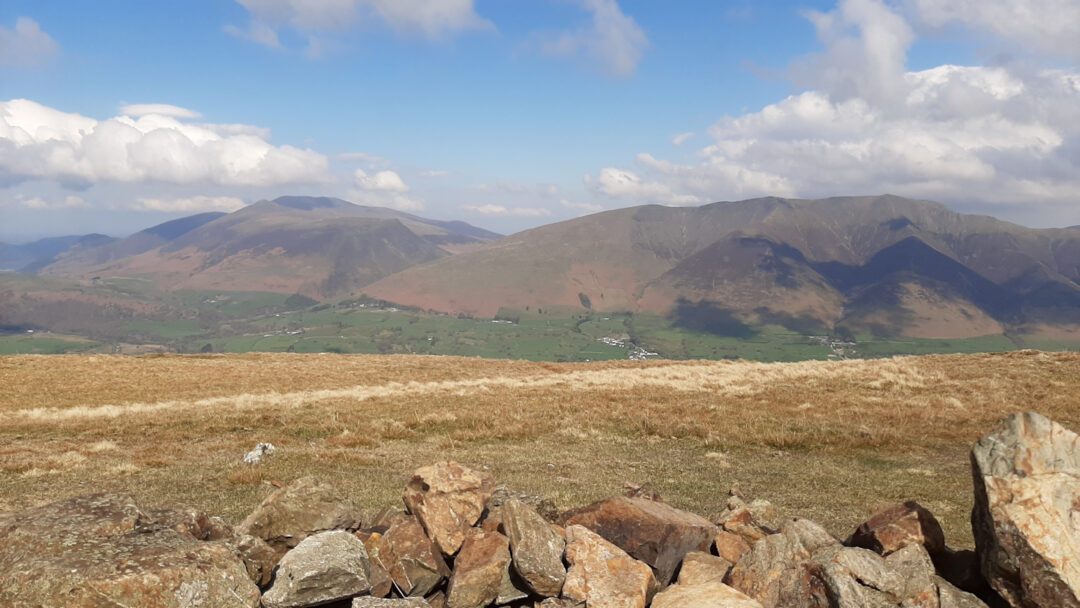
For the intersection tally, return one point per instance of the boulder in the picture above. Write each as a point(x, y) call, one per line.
point(750, 521)
point(602, 575)
point(951, 597)
point(698, 567)
point(850, 577)
point(730, 546)
point(380, 576)
point(448, 499)
point(777, 569)
point(897, 527)
point(656, 533)
point(914, 566)
point(412, 560)
point(479, 569)
point(559, 602)
point(103, 550)
point(712, 594)
point(536, 546)
point(259, 558)
point(378, 602)
point(436, 600)
point(325, 567)
point(297, 511)
point(1026, 519)
point(544, 506)
point(193, 522)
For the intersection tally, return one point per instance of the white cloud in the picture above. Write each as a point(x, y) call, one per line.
point(162, 109)
point(26, 45)
point(627, 185)
point(435, 173)
point(681, 138)
point(433, 19)
point(502, 210)
point(1049, 26)
point(68, 202)
point(39, 142)
point(193, 204)
point(956, 134)
point(383, 189)
point(615, 41)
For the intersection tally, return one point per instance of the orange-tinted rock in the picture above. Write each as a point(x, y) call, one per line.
point(380, 576)
point(259, 558)
point(776, 571)
point(297, 511)
point(448, 499)
point(897, 527)
point(479, 569)
point(1026, 519)
point(537, 548)
point(103, 550)
point(412, 560)
point(653, 532)
point(713, 594)
point(698, 567)
point(731, 546)
point(602, 575)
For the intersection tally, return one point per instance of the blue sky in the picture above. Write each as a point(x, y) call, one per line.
point(514, 113)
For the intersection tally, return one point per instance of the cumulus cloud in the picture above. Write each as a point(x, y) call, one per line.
point(161, 109)
point(384, 189)
point(1049, 26)
point(39, 142)
point(26, 45)
point(433, 19)
point(502, 210)
point(681, 138)
point(68, 202)
point(867, 125)
point(615, 41)
point(190, 205)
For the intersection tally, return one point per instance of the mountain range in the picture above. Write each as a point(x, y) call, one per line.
point(884, 264)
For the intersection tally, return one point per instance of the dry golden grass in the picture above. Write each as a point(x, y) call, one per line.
point(827, 440)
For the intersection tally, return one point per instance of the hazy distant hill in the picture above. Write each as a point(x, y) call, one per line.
point(884, 263)
point(313, 245)
point(30, 257)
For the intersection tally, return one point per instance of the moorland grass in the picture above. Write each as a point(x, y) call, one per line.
point(829, 440)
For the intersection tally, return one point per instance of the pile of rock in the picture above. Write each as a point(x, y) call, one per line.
point(462, 542)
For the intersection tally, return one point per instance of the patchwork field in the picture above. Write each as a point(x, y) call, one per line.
point(829, 440)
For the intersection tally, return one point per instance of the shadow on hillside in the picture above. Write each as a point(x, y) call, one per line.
point(709, 318)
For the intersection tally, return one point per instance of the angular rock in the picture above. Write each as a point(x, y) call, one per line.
point(730, 546)
point(448, 499)
point(1026, 519)
point(712, 594)
point(602, 575)
point(699, 567)
point(914, 566)
point(898, 526)
point(378, 602)
point(653, 532)
point(297, 511)
point(479, 569)
point(558, 602)
point(380, 576)
point(259, 558)
point(951, 597)
point(323, 568)
point(193, 522)
point(412, 560)
point(544, 506)
point(777, 570)
point(436, 600)
point(102, 550)
point(855, 578)
point(751, 522)
point(536, 546)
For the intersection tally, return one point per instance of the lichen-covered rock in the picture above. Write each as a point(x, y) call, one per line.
point(777, 569)
point(1026, 519)
point(412, 560)
point(699, 567)
point(193, 522)
point(378, 602)
point(656, 533)
point(898, 526)
point(712, 594)
point(479, 569)
point(325, 567)
point(297, 511)
point(602, 575)
point(448, 499)
point(102, 550)
point(536, 546)
point(259, 558)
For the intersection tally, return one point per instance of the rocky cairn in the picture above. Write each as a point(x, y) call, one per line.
point(463, 542)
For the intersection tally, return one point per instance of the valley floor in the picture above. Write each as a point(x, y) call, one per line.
point(829, 440)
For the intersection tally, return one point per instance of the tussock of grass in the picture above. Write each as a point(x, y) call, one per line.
point(828, 440)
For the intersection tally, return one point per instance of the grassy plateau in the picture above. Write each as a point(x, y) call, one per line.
point(828, 440)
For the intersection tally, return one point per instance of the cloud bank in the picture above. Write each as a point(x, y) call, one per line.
point(26, 45)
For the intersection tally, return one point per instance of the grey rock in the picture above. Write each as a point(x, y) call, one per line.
point(326, 567)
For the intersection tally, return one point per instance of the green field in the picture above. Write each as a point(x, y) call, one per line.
point(23, 344)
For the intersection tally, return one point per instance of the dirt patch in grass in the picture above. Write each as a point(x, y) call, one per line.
point(832, 441)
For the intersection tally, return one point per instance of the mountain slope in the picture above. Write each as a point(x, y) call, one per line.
point(841, 261)
point(321, 247)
